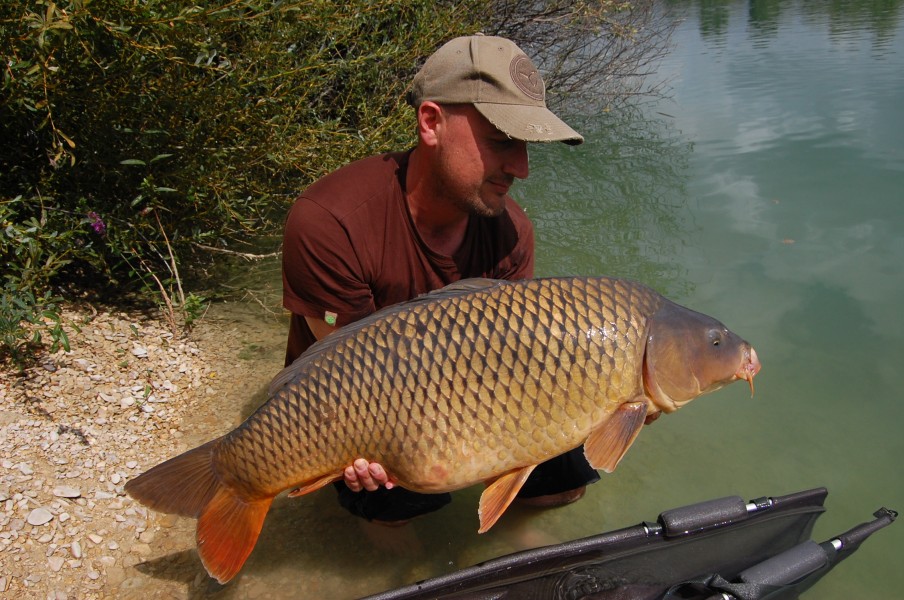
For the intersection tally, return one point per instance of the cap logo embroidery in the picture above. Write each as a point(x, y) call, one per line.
point(526, 78)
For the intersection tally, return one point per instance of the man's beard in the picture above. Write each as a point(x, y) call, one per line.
point(466, 198)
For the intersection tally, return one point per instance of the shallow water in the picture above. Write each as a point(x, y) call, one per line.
point(766, 192)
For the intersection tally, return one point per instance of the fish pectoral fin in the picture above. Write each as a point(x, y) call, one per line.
point(499, 494)
point(609, 442)
point(313, 486)
point(227, 532)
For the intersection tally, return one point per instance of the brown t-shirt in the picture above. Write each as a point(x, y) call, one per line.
point(351, 248)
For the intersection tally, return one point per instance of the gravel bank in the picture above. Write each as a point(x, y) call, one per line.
point(128, 395)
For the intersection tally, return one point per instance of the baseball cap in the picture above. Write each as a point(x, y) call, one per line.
point(502, 83)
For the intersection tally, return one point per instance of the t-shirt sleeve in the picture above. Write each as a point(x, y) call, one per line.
point(322, 276)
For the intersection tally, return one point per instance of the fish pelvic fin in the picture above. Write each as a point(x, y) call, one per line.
point(315, 485)
point(499, 494)
point(228, 530)
point(188, 485)
point(182, 485)
point(609, 442)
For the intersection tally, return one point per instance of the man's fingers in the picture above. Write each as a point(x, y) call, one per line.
point(363, 475)
point(351, 479)
point(379, 476)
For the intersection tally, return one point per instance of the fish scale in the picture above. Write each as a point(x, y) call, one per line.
point(533, 341)
point(477, 382)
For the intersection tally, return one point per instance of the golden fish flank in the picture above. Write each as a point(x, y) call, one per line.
point(475, 383)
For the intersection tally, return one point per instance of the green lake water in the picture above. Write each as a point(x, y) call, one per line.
point(767, 191)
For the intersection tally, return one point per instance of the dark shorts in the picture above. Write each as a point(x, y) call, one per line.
point(560, 474)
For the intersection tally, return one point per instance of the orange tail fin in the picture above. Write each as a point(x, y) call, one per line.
point(228, 523)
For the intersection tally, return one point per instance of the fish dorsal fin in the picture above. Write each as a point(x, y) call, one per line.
point(609, 442)
point(499, 494)
point(327, 344)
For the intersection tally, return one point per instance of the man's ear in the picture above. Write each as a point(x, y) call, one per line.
point(429, 119)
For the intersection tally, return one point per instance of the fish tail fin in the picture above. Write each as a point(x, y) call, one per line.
point(182, 485)
point(227, 532)
point(228, 522)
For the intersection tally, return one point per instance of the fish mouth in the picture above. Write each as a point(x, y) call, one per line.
point(750, 366)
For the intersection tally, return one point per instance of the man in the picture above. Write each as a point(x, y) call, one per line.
point(387, 228)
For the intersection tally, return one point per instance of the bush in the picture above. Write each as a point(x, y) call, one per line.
point(137, 134)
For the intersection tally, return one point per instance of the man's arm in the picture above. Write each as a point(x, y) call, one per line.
point(362, 475)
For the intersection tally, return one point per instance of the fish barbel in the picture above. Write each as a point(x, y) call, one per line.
point(477, 382)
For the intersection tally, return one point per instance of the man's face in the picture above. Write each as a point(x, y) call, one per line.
point(477, 163)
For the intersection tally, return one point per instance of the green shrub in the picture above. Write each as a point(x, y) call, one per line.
point(137, 134)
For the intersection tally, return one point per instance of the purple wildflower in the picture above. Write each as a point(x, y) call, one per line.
point(97, 223)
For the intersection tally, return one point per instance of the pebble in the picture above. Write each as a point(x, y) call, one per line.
point(141, 549)
point(146, 536)
point(39, 516)
point(64, 491)
point(75, 430)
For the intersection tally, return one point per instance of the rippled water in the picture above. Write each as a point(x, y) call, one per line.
point(766, 192)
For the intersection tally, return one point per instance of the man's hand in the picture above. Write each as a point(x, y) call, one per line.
point(363, 475)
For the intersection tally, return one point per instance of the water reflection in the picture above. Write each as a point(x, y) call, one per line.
point(843, 19)
point(764, 17)
point(795, 180)
point(615, 205)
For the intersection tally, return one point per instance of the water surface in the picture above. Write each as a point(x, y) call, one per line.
point(767, 192)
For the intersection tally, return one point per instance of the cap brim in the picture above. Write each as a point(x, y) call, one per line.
point(528, 123)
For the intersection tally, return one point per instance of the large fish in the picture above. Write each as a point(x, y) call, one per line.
point(477, 382)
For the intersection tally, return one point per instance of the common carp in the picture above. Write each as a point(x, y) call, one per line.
point(477, 382)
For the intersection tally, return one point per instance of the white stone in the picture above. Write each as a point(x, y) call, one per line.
point(39, 516)
point(65, 491)
point(56, 563)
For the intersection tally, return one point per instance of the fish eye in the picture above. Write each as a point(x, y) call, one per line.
point(715, 337)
